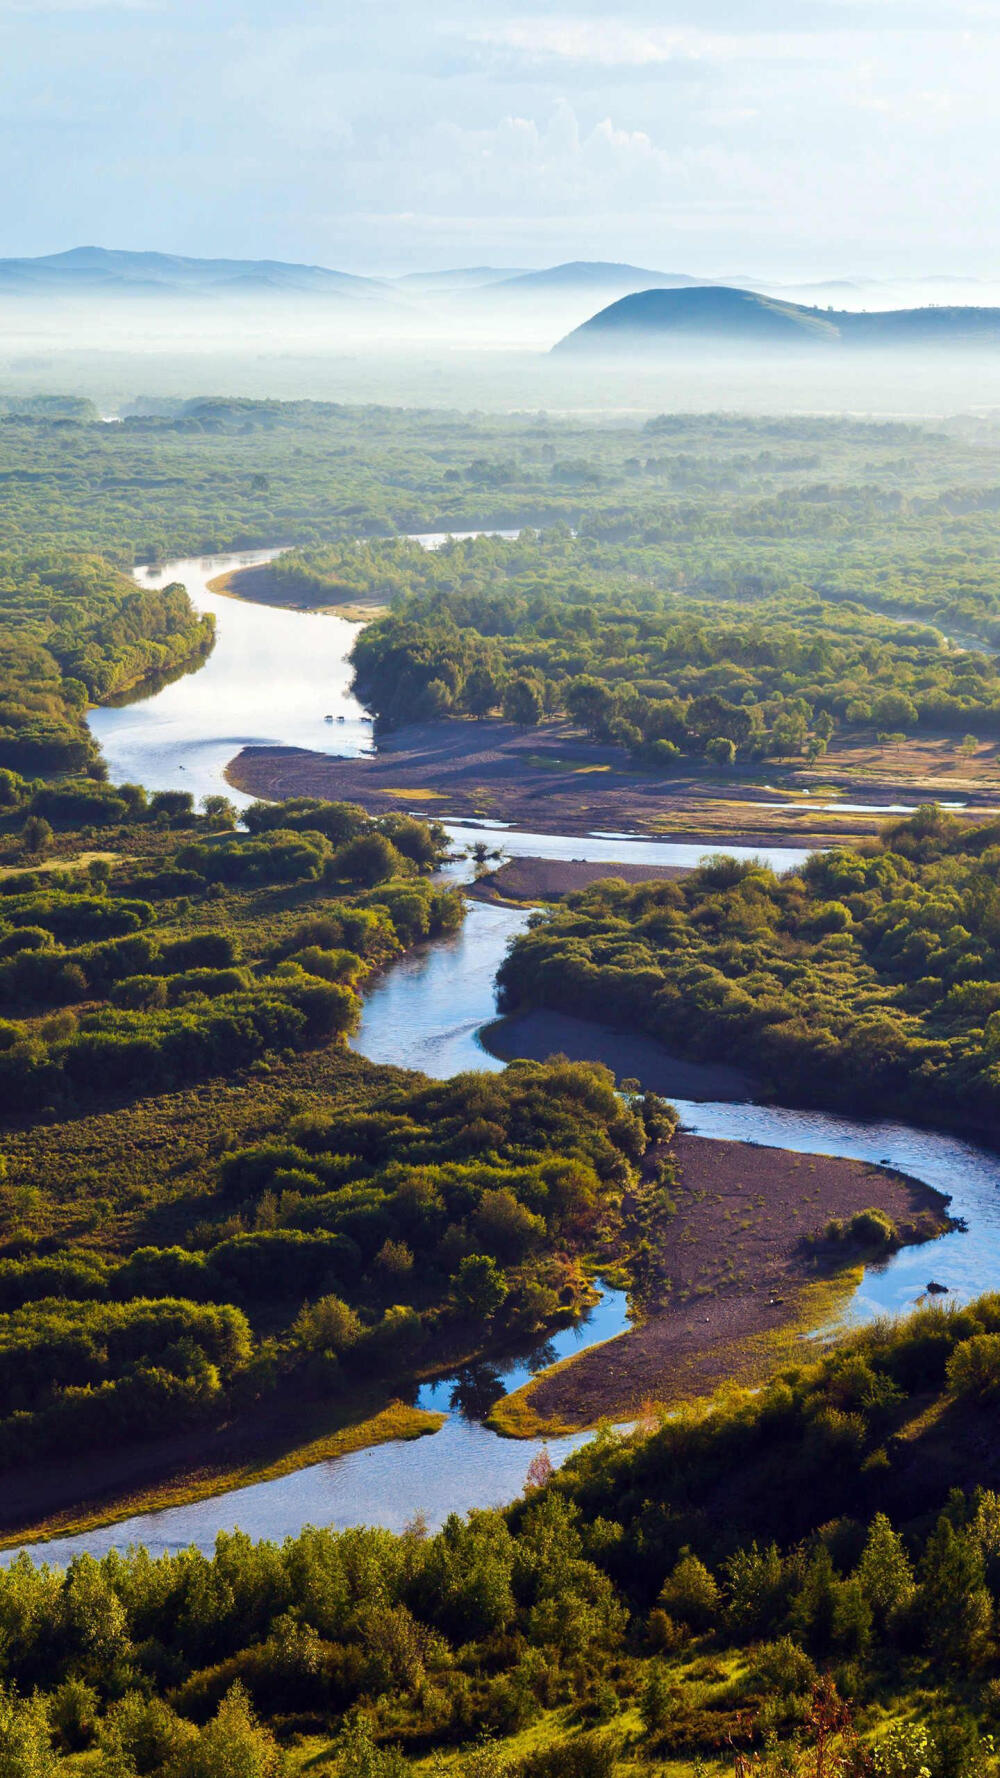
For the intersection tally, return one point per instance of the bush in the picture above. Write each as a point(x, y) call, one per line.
point(690, 1593)
point(368, 860)
point(783, 1667)
point(974, 1369)
point(586, 1756)
point(327, 1325)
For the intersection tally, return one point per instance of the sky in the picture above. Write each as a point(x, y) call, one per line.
point(771, 138)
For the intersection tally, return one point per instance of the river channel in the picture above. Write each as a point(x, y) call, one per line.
point(273, 677)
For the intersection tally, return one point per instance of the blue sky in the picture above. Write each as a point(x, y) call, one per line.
point(778, 138)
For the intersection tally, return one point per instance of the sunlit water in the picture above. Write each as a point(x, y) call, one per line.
point(272, 678)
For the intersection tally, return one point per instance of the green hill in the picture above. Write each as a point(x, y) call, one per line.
point(721, 316)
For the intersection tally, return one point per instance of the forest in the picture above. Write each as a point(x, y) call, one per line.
point(790, 1578)
point(685, 584)
point(76, 631)
point(520, 629)
point(869, 979)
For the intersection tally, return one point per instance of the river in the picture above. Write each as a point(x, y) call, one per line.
point(272, 677)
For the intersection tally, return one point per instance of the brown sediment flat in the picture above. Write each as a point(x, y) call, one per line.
point(548, 879)
point(733, 1267)
point(553, 779)
point(537, 1033)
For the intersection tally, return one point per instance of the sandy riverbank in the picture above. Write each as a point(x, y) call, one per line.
point(736, 1281)
point(532, 880)
point(550, 780)
point(553, 779)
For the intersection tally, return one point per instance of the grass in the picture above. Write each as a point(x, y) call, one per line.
point(416, 796)
point(78, 861)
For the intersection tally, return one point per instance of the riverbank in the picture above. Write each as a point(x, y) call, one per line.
point(43, 1501)
point(738, 1275)
point(261, 586)
point(553, 779)
point(531, 880)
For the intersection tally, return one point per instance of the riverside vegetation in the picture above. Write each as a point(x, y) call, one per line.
point(870, 979)
point(719, 1585)
point(210, 1202)
point(358, 1226)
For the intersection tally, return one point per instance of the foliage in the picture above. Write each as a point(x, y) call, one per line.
point(74, 630)
point(870, 978)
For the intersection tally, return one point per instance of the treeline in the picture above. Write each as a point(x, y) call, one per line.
point(532, 628)
point(75, 631)
point(165, 969)
point(869, 979)
point(787, 1574)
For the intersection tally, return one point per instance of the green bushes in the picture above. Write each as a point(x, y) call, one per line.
point(974, 1369)
point(864, 980)
point(76, 629)
point(872, 1231)
point(178, 1004)
point(75, 1372)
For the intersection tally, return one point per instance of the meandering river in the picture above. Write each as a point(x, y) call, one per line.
point(274, 676)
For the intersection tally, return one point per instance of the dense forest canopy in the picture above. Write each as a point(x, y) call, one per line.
point(686, 557)
point(533, 627)
point(73, 631)
point(869, 979)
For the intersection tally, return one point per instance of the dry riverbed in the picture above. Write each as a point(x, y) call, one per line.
point(738, 1275)
point(553, 779)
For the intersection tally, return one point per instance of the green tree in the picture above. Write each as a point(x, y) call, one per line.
point(523, 701)
point(690, 1593)
point(721, 751)
point(885, 1571)
point(952, 1604)
point(25, 1741)
point(219, 812)
point(36, 836)
point(479, 1286)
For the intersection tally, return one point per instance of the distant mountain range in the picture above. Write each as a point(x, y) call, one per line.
point(594, 305)
point(100, 270)
point(651, 320)
point(597, 276)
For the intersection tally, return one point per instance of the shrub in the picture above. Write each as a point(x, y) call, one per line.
point(479, 1286)
point(327, 1325)
point(974, 1368)
point(368, 860)
point(585, 1756)
point(690, 1593)
point(783, 1667)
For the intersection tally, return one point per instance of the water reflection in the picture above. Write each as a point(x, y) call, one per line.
point(451, 1471)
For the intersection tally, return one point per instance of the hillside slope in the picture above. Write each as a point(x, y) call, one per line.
point(718, 314)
